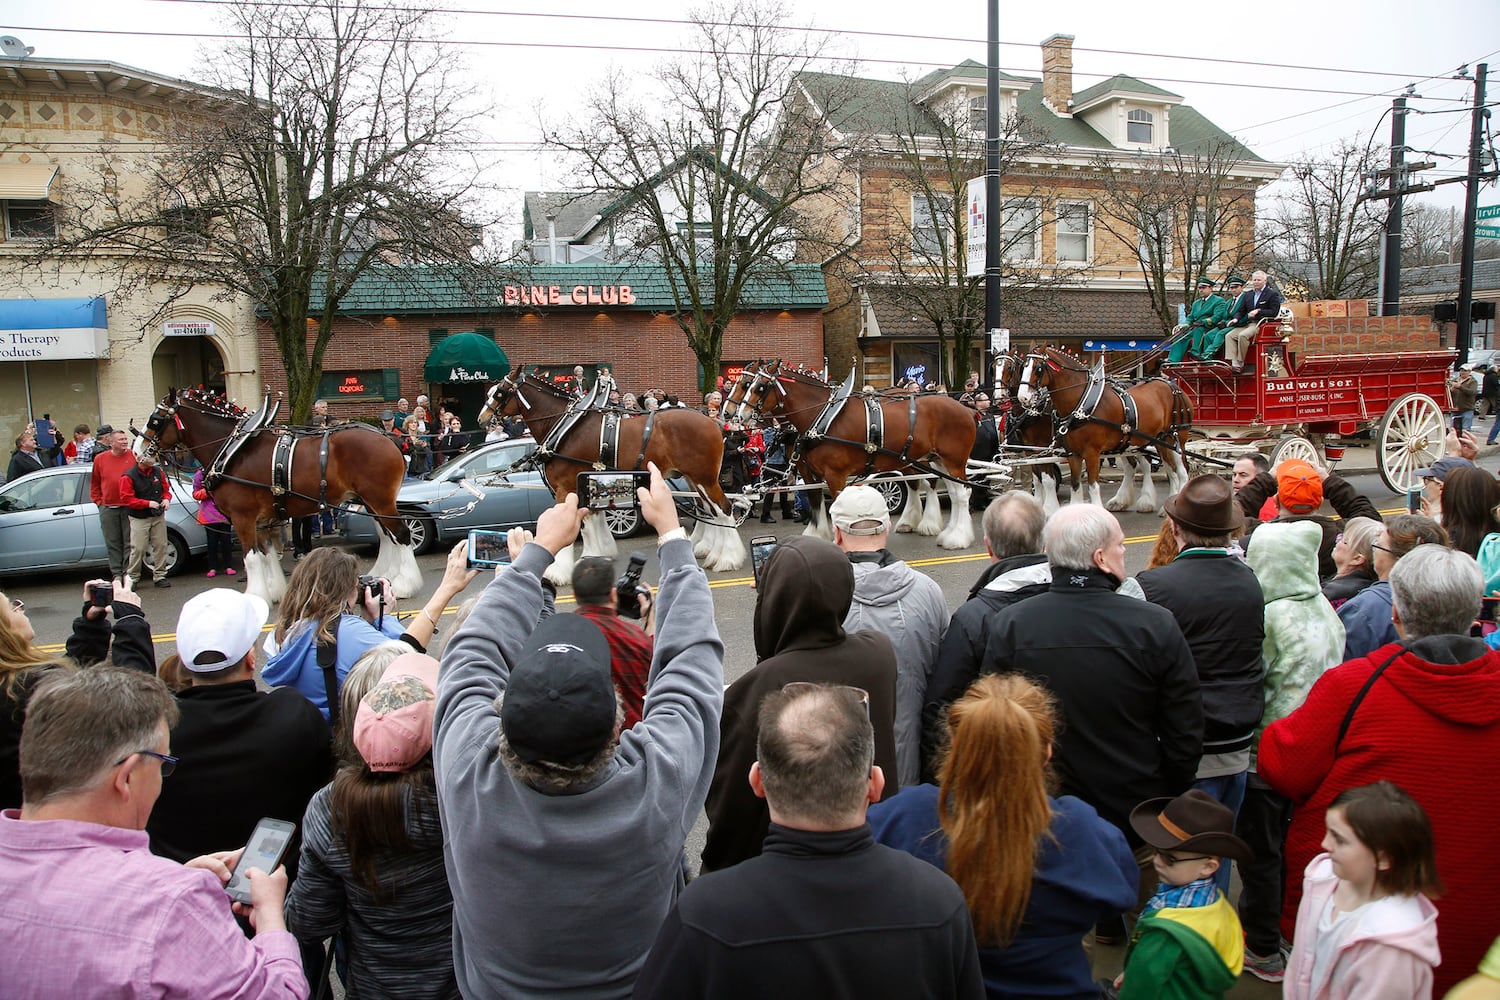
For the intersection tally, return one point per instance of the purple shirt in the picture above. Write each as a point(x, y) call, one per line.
point(89, 911)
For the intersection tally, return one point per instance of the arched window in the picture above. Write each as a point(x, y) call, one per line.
point(1139, 126)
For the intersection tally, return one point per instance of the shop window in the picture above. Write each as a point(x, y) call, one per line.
point(1140, 126)
point(1075, 232)
point(29, 220)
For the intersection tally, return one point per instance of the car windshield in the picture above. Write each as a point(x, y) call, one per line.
point(487, 459)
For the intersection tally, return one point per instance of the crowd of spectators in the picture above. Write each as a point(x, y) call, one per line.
point(899, 802)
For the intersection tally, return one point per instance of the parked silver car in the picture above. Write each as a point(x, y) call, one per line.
point(48, 522)
point(430, 503)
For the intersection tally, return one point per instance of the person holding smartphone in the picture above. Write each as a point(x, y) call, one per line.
point(85, 904)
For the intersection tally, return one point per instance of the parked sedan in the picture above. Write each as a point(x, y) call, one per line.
point(48, 522)
point(431, 503)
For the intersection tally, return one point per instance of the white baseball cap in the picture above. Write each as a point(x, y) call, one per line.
point(861, 510)
point(217, 628)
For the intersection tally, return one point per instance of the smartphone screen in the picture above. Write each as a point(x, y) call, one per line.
point(265, 850)
point(488, 548)
point(760, 550)
point(611, 490)
point(1458, 424)
point(1414, 500)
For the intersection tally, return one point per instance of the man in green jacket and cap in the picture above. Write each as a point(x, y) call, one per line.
point(1213, 340)
point(1205, 315)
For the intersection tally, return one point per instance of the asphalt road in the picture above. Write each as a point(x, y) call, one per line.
point(54, 599)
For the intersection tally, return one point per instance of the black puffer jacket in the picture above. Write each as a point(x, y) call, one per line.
point(1126, 688)
point(1219, 606)
point(1002, 584)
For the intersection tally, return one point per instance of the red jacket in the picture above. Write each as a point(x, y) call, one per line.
point(1431, 724)
point(104, 480)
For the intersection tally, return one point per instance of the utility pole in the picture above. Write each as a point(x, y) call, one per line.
point(1390, 278)
point(993, 211)
point(1471, 212)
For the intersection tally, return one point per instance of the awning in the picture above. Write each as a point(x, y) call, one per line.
point(26, 181)
point(466, 357)
point(1120, 345)
point(53, 329)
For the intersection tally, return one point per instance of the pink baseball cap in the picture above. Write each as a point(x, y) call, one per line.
point(393, 728)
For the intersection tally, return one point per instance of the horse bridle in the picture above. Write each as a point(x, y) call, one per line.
point(762, 381)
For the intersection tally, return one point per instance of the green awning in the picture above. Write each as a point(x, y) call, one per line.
point(466, 357)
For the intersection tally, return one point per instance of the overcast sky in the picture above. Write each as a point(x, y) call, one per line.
point(1299, 84)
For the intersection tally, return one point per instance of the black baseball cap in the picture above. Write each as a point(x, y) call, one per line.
point(560, 701)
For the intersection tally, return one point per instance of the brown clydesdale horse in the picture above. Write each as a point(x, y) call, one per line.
point(1027, 427)
point(1164, 419)
point(940, 439)
point(680, 442)
point(363, 464)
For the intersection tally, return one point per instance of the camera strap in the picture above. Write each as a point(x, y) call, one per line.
point(328, 654)
point(1360, 697)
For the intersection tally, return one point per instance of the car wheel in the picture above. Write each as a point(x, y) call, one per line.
point(624, 522)
point(177, 555)
point(423, 532)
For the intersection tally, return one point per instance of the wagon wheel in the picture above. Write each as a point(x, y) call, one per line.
point(1295, 447)
point(1410, 437)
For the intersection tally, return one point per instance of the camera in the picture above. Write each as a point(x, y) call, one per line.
point(374, 585)
point(102, 594)
point(628, 588)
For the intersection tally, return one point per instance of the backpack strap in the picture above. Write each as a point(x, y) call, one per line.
point(1369, 683)
point(328, 654)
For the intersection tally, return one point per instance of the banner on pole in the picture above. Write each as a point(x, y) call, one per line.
point(974, 238)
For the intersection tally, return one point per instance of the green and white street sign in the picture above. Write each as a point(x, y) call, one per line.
point(1490, 231)
point(1488, 212)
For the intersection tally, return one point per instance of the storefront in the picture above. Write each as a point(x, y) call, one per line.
point(49, 353)
point(547, 318)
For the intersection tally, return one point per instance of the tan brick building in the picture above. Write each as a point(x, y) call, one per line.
point(72, 343)
point(1059, 190)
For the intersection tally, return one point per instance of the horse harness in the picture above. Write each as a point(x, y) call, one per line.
point(609, 440)
point(281, 467)
point(874, 442)
point(1099, 383)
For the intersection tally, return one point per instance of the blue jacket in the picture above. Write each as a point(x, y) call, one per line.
point(295, 664)
point(1084, 873)
point(1367, 621)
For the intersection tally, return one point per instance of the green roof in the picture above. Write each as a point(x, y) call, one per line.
point(1121, 82)
point(884, 107)
point(425, 289)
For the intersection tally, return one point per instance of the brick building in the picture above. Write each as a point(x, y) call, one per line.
point(393, 332)
point(1073, 267)
point(79, 337)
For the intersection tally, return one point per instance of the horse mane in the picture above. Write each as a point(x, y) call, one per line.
point(211, 402)
point(537, 382)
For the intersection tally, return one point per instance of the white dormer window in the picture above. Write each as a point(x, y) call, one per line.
point(1140, 126)
point(979, 115)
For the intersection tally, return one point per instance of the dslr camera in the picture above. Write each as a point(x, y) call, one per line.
point(628, 589)
point(374, 585)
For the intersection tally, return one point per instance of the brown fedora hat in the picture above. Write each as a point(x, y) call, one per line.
point(1193, 821)
point(1205, 505)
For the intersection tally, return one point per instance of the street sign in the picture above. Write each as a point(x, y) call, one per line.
point(1491, 231)
point(1489, 212)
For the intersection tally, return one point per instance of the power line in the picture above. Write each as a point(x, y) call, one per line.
point(837, 32)
point(575, 46)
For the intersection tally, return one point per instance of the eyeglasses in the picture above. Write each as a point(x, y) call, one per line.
point(168, 762)
point(1172, 859)
point(1384, 548)
point(16, 604)
point(803, 687)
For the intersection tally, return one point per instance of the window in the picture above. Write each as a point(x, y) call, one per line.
point(1019, 230)
point(1139, 126)
point(979, 121)
point(931, 224)
point(1156, 238)
point(1075, 232)
point(1199, 248)
point(188, 226)
point(29, 220)
point(702, 235)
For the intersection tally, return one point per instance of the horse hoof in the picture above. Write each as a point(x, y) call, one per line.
point(1145, 507)
point(1114, 505)
point(903, 529)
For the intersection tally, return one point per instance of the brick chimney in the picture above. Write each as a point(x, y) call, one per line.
point(1057, 73)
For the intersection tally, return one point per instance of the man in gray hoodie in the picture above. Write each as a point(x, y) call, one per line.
point(892, 598)
point(564, 835)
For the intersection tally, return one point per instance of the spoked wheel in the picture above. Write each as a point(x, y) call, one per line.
point(1295, 447)
point(895, 492)
point(1410, 438)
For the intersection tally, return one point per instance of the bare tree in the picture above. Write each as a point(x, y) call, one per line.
point(920, 258)
point(336, 143)
point(1321, 229)
point(1185, 213)
point(716, 166)
point(1429, 235)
